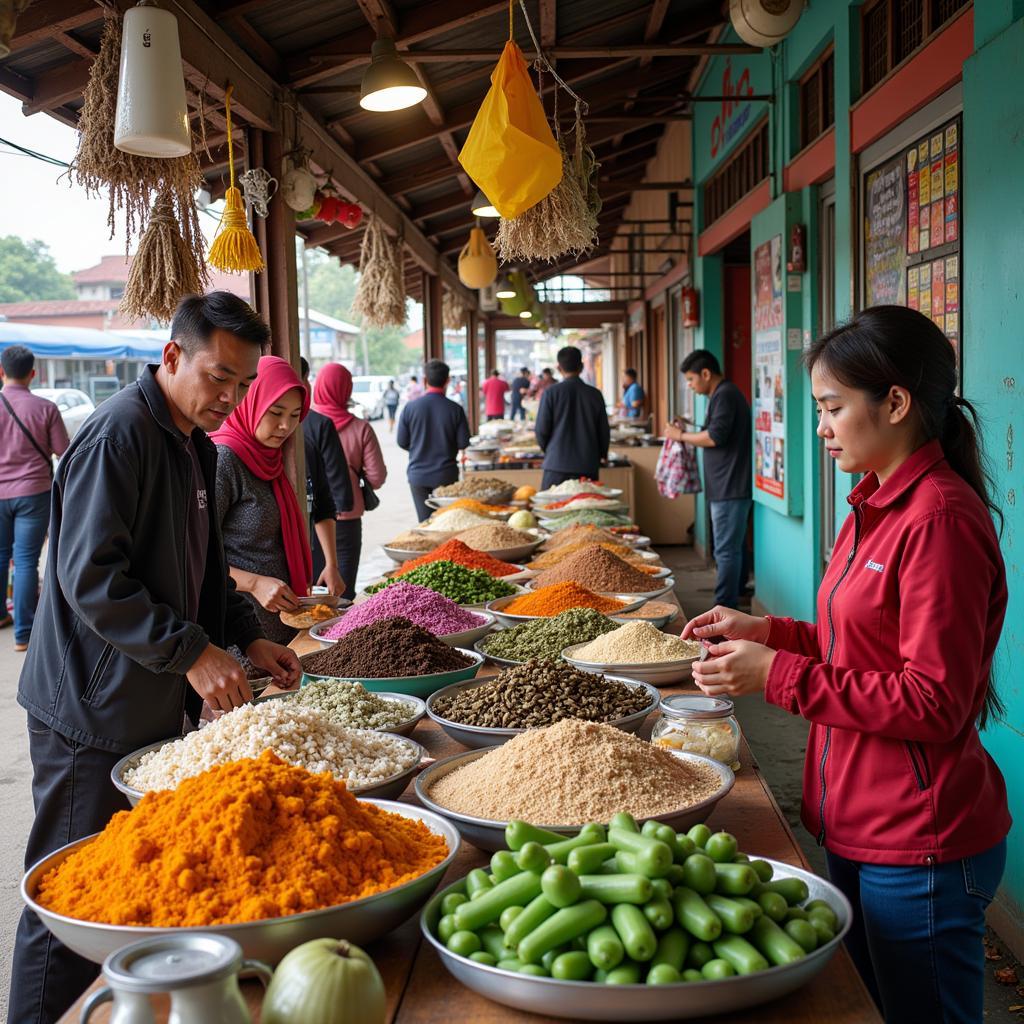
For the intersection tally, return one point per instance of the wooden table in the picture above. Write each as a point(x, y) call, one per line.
point(420, 990)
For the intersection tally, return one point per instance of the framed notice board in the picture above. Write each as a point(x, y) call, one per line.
point(912, 229)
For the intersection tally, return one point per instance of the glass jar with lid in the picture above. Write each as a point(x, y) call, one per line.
point(699, 725)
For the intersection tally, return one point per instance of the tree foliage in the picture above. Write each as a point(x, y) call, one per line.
point(28, 273)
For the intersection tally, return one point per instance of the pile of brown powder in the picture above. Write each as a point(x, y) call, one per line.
point(410, 541)
point(578, 534)
point(599, 570)
point(571, 773)
point(494, 537)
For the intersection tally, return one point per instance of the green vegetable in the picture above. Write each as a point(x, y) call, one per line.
point(734, 917)
point(684, 847)
point(734, 879)
point(699, 835)
point(653, 857)
point(626, 974)
point(572, 966)
point(563, 926)
point(803, 933)
point(794, 913)
point(585, 860)
point(534, 970)
point(476, 881)
point(483, 957)
point(546, 638)
point(700, 953)
point(560, 885)
point(699, 873)
point(503, 865)
point(676, 875)
point(446, 927)
point(721, 847)
point(819, 908)
point(627, 863)
point(715, 970)
point(673, 945)
point(663, 974)
point(773, 905)
point(752, 905)
point(659, 914)
point(510, 964)
point(792, 890)
point(616, 888)
point(454, 581)
point(588, 836)
point(778, 946)
point(451, 901)
point(604, 948)
point(741, 858)
point(624, 821)
point(508, 915)
point(513, 892)
point(763, 870)
point(519, 833)
point(493, 941)
point(695, 915)
point(661, 888)
point(692, 975)
point(550, 957)
point(324, 981)
point(534, 914)
point(740, 953)
point(634, 931)
point(820, 925)
point(463, 943)
point(533, 857)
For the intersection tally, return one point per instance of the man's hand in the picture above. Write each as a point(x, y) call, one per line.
point(275, 595)
point(331, 579)
point(673, 433)
point(219, 680)
point(277, 661)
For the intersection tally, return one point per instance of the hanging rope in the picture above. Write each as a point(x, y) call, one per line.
point(541, 57)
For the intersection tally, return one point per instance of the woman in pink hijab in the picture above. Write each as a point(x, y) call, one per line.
point(331, 393)
point(266, 531)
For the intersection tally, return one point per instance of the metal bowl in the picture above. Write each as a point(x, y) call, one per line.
point(631, 603)
point(464, 639)
point(658, 621)
point(384, 789)
point(489, 835)
point(400, 555)
point(417, 709)
point(665, 584)
point(417, 686)
point(660, 673)
point(517, 554)
point(476, 736)
point(555, 523)
point(486, 498)
point(494, 659)
point(587, 1000)
point(360, 921)
point(546, 497)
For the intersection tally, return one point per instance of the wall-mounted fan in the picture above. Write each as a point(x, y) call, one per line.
point(764, 22)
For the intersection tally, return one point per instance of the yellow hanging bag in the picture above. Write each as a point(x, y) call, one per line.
point(510, 153)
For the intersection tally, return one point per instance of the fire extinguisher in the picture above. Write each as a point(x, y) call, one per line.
point(691, 308)
point(797, 261)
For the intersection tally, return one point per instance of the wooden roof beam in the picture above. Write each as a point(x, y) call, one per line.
point(56, 87)
point(46, 18)
point(643, 51)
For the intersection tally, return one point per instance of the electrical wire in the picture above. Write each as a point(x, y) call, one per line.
point(25, 151)
point(547, 64)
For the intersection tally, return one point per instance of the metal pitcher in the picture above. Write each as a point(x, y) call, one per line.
point(198, 971)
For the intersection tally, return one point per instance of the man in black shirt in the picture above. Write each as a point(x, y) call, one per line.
point(572, 424)
point(520, 386)
point(727, 468)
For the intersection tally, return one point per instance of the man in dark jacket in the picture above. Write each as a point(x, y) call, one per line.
point(433, 430)
point(137, 605)
point(572, 424)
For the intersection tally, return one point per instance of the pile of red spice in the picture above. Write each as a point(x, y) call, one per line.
point(462, 554)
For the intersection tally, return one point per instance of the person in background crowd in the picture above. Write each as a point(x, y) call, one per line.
point(520, 387)
point(31, 433)
point(633, 397)
point(572, 424)
point(457, 392)
point(494, 389)
point(725, 439)
point(414, 390)
point(331, 394)
point(910, 807)
point(137, 606)
point(391, 399)
point(323, 449)
point(542, 383)
point(433, 431)
point(266, 534)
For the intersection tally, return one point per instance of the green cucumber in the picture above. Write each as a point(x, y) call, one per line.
point(560, 885)
point(503, 865)
point(716, 970)
point(587, 860)
point(633, 929)
point(535, 913)
point(721, 847)
point(559, 852)
point(572, 966)
point(663, 974)
point(802, 933)
point(673, 945)
point(616, 888)
point(519, 833)
point(700, 834)
point(695, 915)
point(740, 953)
point(624, 821)
point(653, 857)
point(734, 879)
point(659, 914)
point(481, 956)
point(774, 905)
point(699, 874)
point(604, 948)
point(792, 890)
point(563, 926)
point(451, 901)
point(777, 945)
point(513, 892)
point(478, 881)
point(533, 857)
point(735, 918)
point(625, 974)
point(763, 870)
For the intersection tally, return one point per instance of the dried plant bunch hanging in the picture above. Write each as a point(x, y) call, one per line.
point(130, 181)
point(165, 268)
point(380, 292)
point(453, 311)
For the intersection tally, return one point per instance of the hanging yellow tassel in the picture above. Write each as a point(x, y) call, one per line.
point(234, 247)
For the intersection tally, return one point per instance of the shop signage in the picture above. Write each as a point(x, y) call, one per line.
point(769, 373)
point(735, 113)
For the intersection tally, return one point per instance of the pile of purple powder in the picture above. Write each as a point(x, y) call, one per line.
point(426, 608)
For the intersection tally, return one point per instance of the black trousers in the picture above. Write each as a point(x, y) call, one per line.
point(553, 477)
point(348, 543)
point(419, 499)
point(73, 798)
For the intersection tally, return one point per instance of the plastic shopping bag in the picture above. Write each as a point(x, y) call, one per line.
point(510, 153)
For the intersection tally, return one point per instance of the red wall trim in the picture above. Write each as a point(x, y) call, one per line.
point(677, 273)
point(735, 222)
point(937, 67)
point(813, 164)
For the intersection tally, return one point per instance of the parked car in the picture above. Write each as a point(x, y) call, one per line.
point(75, 406)
point(368, 397)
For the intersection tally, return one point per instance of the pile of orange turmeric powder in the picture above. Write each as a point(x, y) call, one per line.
point(245, 841)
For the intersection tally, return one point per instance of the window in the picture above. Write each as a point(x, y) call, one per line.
point(744, 171)
point(117, 293)
point(892, 30)
point(817, 100)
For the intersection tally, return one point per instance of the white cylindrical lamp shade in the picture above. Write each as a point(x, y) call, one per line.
point(152, 114)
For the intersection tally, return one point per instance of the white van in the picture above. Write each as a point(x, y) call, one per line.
point(368, 396)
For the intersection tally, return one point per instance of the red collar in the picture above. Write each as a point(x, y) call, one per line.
point(435, 391)
point(870, 492)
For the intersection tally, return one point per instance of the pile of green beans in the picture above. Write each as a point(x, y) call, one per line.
point(625, 905)
point(454, 581)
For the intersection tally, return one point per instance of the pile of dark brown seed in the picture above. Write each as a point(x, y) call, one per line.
point(539, 693)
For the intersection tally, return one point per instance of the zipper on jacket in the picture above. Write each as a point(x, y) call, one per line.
point(828, 660)
point(920, 767)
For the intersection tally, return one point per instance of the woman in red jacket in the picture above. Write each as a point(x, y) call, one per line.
point(895, 677)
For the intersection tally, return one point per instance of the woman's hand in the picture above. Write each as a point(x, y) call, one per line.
point(331, 579)
point(273, 594)
point(277, 661)
point(727, 622)
point(734, 668)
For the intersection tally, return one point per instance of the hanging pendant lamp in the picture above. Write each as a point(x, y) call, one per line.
point(483, 207)
point(389, 83)
point(152, 115)
point(505, 289)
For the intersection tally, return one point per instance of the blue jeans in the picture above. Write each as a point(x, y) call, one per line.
point(917, 931)
point(729, 528)
point(23, 525)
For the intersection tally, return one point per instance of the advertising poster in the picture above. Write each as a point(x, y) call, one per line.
point(914, 288)
point(913, 201)
point(926, 289)
point(769, 355)
point(885, 234)
point(953, 299)
point(939, 294)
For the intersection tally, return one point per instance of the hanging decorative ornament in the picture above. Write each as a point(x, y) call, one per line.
point(234, 247)
point(258, 188)
point(298, 186)
point(351, 216)
point(478, 266)
point(152, 115)
point(380, 292)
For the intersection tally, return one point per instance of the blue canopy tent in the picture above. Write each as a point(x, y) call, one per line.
point(47, 342)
